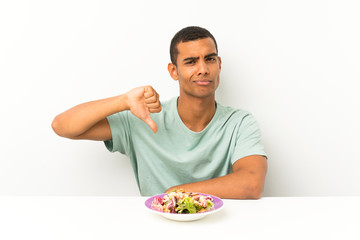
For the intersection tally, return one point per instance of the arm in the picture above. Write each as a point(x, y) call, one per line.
point(245, 182)
point(88, 120)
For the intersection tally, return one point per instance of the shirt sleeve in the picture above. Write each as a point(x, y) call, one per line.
point(120, 131)
point(248, 139)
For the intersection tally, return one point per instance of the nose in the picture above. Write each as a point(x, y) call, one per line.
point(203, 68)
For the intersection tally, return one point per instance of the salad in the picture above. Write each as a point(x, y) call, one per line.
point(179, 201)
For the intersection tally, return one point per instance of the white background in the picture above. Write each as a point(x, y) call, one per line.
point(293, 64)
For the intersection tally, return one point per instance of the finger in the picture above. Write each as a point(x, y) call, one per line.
point(152, 99)
point(149, 92)
point(155, 110)
point(151, 123)
point(151, 96)
point(153, 105)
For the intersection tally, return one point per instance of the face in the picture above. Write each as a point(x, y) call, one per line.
point(198, 68)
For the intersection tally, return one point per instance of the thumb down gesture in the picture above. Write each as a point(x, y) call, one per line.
point(142, 101)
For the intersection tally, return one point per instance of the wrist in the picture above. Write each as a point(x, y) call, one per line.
point(121, 101)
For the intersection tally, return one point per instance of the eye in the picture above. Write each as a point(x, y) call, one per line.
point(190, 62)
point(211, 59)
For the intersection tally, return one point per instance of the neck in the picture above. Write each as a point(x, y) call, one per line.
point(196, 113)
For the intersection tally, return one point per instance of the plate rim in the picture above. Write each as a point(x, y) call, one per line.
point(148, 201)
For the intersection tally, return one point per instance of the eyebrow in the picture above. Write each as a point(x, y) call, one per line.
point(196, 58)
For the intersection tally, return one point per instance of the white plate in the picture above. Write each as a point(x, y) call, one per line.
point(218, 204)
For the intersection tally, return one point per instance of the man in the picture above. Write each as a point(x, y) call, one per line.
point(189, 142)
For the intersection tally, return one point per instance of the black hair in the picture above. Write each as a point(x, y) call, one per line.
point(185, 35)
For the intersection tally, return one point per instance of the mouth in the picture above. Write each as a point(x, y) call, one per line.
point(202, 82)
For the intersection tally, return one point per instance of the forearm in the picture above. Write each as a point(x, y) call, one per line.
point(80, 118)
point(233, 186)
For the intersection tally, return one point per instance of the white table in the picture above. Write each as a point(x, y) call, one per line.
point(126, 218)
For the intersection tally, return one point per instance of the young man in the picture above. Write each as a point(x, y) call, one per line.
point(190, 142)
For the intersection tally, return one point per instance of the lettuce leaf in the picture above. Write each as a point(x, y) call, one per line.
point(186, 205)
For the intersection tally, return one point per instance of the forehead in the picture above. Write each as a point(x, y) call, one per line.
point(196, 48)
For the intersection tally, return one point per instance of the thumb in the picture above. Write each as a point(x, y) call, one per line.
point(151, 123)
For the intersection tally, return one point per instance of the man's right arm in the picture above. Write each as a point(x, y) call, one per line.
point(88, 120)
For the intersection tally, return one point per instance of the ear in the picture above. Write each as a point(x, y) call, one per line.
point(173, 71)
point(219, 62)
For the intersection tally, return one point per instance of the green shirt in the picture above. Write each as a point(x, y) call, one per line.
point(175, 154)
